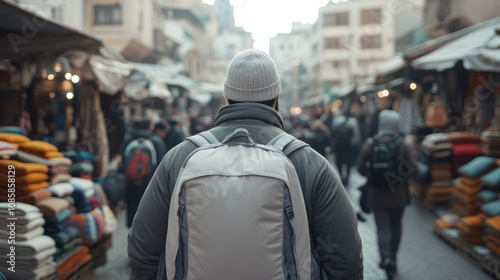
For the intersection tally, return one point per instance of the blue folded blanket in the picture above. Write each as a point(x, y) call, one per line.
point(477, 167)
point(491, 208)
point(492, 179)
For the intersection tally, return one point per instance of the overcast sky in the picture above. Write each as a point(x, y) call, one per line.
point(266, 18)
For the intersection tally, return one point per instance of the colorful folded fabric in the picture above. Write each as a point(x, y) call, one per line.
point(7, 149)
point(492, 246)
point(22, 168)
point(460, 137)
point(473, 221)
point(82, 203)
point(33, 261)
point(51, 227)
point(468, 190)
point(100, 223)
point(61, 178)
point(44, 271)
point(469, 231)
point(488, 195)
point(83, 184)
point(31, 247)
point(467, 150)
point(23, 190)
point(35, 196)
point(63, 215)
point(86, 223)
point(109, 218)
point(23, 236)
point(64, 254)
point(12, 129)
point(52, 154)
point(14, 138)
point(62, 238)
point(478, 167)
point(491, 208)
point(81, 168)
point(26, 157)
point(494, 223)
point(74, 263)
point(22, 220)
point(61, 189)
point(21, 209)
point(30, 178)
point(37, 147)
point(464, 198)
point(492, 179)
point(50, 207)
point(60, 162)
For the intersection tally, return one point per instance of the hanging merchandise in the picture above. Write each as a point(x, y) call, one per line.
point(436, 115)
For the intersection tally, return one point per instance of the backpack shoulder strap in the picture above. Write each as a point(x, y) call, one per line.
point(203, 138)
point(287, 143)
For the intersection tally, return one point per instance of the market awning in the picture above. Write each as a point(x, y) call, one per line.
point(448, 55)
point(26, 35)
point(167, 74)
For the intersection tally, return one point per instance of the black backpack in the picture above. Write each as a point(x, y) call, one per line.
point(344, 134)
point(382, 164)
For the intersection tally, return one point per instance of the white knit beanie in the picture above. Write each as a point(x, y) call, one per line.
point(252, 76)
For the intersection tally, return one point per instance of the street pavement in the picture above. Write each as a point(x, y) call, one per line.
point(422, 254)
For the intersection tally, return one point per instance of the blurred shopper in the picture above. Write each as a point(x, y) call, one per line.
point(252, 89)
point(174, 134)
point(346, 137)
point(319, 137)
point(142, 153)
point(385, 161)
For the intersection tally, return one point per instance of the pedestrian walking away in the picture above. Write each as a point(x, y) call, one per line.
point(385, 160)
point(296, 219)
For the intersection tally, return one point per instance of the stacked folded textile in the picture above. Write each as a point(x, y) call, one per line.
point(466, 193)
point(13, 138)
point(471, 229)
point(7, 149)
point(491, 141)
point(34, 251)
point(492, 235)
point(30, 180)
point(59, 170)
point(83, 164)
point(447, 221)
point(56, 213)
point(466, 147)
point(83, 194)
point(75, 263)
point(434, 168)
point(41, 149)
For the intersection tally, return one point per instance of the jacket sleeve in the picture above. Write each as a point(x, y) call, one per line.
point(334, 228)
point(146, 238)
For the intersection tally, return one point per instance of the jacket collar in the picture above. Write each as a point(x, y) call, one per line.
point(249, 111)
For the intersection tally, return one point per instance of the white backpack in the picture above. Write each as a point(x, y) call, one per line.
point(237, 212)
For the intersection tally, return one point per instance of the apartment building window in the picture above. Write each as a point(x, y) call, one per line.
point(55, 13)
point(333, 43)
point(371, 16)
point(336, 19)
point(371, 42)
point(108, 14)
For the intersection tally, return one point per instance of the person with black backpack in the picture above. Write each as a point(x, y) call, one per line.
point(346, 137)
point(142, 153)
point(385, 161)
point(245, 200)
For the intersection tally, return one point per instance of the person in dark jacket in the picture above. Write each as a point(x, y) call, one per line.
point(388, 200)
point(134, 192)
point(253, 105)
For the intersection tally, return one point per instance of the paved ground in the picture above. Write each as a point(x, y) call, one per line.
point(422, 254)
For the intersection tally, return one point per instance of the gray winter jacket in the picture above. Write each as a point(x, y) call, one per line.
point(333, 224)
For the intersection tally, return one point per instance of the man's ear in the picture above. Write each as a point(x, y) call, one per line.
point(276, 104)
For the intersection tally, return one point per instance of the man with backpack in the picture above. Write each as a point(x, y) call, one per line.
point(245, 200)
point(385, 161)
point(141, 155)
point(346, 137)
